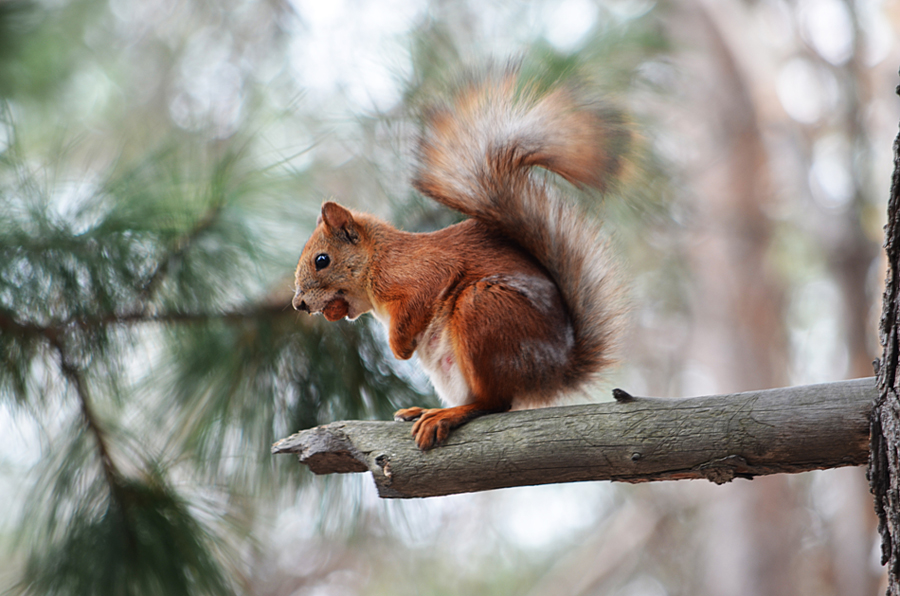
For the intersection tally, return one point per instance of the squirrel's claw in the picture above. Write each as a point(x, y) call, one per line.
point(408, 414)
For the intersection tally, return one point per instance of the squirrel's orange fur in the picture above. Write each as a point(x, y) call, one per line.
point(511, 307)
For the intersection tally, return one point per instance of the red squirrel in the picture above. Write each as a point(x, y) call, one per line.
point(512, 307)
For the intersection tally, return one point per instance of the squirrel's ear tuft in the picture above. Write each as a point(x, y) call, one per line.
point(340, 221)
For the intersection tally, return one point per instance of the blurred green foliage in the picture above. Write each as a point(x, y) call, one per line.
point(145, 277)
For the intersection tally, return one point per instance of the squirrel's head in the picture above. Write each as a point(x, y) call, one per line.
point(332, 272)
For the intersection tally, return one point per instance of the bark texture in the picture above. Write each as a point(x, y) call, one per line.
point(884, 461)
point(716, 437)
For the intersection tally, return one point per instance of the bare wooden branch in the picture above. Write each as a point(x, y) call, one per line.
point(718, 437)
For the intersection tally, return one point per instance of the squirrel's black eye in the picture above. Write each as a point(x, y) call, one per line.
point(322, 261)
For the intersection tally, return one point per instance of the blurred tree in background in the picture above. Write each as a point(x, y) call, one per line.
point(162, 163)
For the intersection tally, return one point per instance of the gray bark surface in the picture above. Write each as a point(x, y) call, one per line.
point(718, 438)
point(884, 464)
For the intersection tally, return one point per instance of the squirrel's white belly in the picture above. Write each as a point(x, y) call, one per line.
point(435, 353)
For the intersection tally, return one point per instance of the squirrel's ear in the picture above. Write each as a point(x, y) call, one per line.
point(340, 221)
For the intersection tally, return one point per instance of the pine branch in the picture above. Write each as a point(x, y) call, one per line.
point(51, 332)
point(718, 438)
point(176, 251)
point(74, 376)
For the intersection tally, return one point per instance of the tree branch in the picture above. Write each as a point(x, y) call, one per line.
point(52, 331)
point(179, 247)
point(73, 375)
point(718, 437)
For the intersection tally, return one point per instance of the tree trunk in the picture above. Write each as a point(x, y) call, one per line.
point(884, 459)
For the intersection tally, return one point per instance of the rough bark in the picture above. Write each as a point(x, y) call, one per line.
point(884, 461)
point(717, 437)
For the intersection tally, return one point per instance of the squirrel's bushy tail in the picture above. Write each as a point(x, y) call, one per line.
point(476, 156)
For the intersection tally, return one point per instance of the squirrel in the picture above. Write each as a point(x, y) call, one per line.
point(518, 304)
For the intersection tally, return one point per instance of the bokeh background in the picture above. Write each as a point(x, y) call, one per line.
point(162, 163)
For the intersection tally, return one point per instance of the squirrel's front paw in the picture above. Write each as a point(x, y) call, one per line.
point(432, 428)
point(433, 425)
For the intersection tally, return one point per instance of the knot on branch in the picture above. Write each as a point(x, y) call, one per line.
point(724, 469)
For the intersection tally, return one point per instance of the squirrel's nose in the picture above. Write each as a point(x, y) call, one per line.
point(299, 304)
